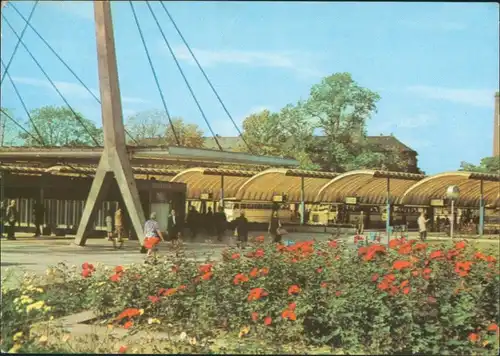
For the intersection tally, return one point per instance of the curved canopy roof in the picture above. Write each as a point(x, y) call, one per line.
point(370, 187)
point(208, 180)
point(275, 181)
point(469, 183)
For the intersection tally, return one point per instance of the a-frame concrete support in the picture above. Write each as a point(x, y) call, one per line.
point(114, 162)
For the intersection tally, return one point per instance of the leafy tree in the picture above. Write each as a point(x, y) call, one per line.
point(487, 165)
point(9, 131)
point(154, 124)
point(341, 108)
point(59, 127)
point(263, 133)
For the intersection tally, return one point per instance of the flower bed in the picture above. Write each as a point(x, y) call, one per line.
point(410, 297)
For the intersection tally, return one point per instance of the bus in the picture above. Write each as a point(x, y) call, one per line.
point(255, 211)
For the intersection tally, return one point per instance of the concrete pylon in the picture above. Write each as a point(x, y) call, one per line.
point(114, 161)
point(496, 127)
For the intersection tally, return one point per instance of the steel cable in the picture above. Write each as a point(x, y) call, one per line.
point(20, 126)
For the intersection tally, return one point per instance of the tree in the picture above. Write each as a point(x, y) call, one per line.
point(58, 126)
point(263, 133)
point(154, 124)
point(9, 131)
point(487, 165)
point(341, 108)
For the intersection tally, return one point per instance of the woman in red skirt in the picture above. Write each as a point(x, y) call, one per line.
point(153, 236)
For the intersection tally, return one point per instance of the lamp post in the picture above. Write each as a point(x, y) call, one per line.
point(452, 193)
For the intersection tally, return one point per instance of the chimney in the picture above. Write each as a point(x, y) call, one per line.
point(496, 127)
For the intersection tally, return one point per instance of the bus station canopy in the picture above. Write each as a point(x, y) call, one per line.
point(434, 187)
point(368, 186)
point(209, 180)
point(276, 181)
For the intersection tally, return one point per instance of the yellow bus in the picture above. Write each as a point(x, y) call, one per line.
point(255, 211)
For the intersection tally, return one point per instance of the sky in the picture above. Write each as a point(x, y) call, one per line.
point(435, 65)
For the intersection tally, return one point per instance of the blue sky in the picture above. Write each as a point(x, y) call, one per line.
point(435, 65)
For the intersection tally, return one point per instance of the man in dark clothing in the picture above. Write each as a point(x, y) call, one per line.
point(2, 219)
point(174, 229)
point(209, 221)
point(11, 216)
point(38, 213)
point(241, 231)
point(192, 221)
point(220, 223)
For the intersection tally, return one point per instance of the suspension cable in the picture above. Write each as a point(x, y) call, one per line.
point(206, 77)
point(184, 76)
point(65, 64)
point(23, 104)
point(76, 116)
point(19, 40)
point(20, 126)
point(154, 74)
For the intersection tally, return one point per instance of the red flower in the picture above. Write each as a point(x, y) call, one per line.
point(292, 306)
point(436, 254)
point(235, 256)
point(128, 324)
point(264, 270)
point(256, 294)
point(118, 269)
point(323, 285)
point(319, 270)
point(404, 284)
point(122, 349)
point(338, 293)
point(294, 260)
point(375, 277)
point(267, 320)
point(205, 268)
point(362, 250)
point(372, 252)
point(240, 278)
point(426, 273)
point(259, 253)
point(333, 244)
point(406, 290)
point(460, 245)
point(88, 266)
point(181, 287)
point(419, 246)
point(405, 249)
point(394, 243)
point(451, 254)
point(129, 313)
point(154, 299)
point(207, 276)
point(492, 327)
point(86, 273)
point(115, 278)
point(414, 273)
point(254, 272)
point(293, 289)
point(399, 265)
point(463, 268)
point(473, 337)
point(168, 292)
point(288, 314)
point(259, 239)
point(255, 316)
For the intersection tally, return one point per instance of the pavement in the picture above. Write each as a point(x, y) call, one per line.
point(35, 255)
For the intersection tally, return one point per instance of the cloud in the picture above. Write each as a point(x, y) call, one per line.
point(420, 120)
point(474, 97)
point(433, 25)
point(73, 90)
point(290, 60)
point(381, 125)
point(81, 9)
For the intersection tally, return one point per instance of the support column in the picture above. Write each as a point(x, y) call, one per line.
point(114, 160)
point(221, 200)
point(481, 208)
point(302, 201)
point(388, 221)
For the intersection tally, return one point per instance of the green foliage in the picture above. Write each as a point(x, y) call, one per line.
point(59, 127)
point(9, 131)
point(338, 108)
point(487, 165)
point(154, 124)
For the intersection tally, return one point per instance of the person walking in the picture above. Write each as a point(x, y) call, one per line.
point(274, 226)
point(422, 226)
point(174, 231)
point(119, 224)
point(11, 216)
point(109, 225)
point(192, 221)
point(152, 237)
point(38, 214)
point(241, 230)
point(2, 219)
point(220, 223)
